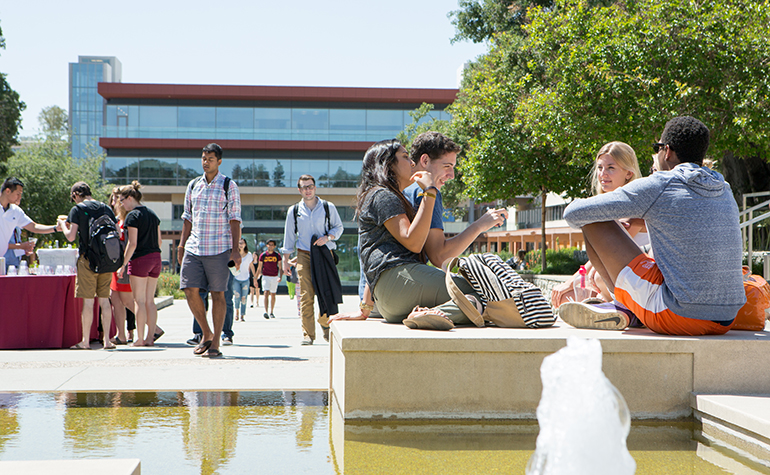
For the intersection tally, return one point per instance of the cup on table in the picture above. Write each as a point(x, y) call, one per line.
point(12, 270)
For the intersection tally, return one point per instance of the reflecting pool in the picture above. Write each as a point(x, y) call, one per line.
point(293, 432)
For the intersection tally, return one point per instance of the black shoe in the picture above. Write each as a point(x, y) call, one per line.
point(272, 316)
point(194, 340)
point(227, 341)
point(267, 317)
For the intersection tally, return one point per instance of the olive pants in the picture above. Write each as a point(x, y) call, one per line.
point(402, 288)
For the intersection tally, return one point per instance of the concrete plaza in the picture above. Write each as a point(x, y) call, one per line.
point(266, 355)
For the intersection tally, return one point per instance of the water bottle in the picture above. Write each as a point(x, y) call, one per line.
point(56, 244)
point(582, 292)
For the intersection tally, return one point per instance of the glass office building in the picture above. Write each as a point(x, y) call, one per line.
point(86, 106)
point(271, 135)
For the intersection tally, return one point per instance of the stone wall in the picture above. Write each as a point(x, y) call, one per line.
point(545, 282)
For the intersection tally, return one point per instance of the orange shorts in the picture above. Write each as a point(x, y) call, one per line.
point(640, 288)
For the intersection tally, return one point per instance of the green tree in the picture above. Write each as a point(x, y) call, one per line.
point(480, 20)
point(53, 123)
point(620, 72)
point(11, 108)
point(48, 170)
point(504, 158)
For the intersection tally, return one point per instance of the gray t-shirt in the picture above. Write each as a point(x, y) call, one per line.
point(380, 251)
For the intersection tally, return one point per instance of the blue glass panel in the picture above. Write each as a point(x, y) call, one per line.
point(343, 174)
point(235, 118)
point(344, 119)
point(310, 119)
point(316, 168)
point(264, 171)
point(112, 115)
point(239, 169)
point(384, 120)
point(197, 117)
point(133, 115)
point(118, 170)
point(157, 171)
point(187, 169)
point(157, 116)
point(279, 119)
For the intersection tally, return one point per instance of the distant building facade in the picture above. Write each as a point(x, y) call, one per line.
point(86, 106)
point(271, 135)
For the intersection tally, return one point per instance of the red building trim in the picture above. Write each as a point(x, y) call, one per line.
point(114, 90)
point(198, 144)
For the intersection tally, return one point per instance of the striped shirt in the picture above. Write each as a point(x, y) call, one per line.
point(210, 213)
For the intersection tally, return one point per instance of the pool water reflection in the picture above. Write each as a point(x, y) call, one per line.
point(288, 432)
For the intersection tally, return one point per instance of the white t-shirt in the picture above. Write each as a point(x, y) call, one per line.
point(244, 272)
point(10, 219)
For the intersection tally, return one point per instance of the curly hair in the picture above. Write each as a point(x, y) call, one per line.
point(378, 172)
point(434, 144)
point(688, 137)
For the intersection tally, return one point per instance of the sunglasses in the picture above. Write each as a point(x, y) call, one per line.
point(657, 146)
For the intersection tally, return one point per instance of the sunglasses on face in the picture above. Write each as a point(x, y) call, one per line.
point(657, 146)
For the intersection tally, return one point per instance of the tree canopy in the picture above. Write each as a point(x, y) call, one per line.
point(539, 105)
point(53, 123)
point(11, 108)
point(48, 170)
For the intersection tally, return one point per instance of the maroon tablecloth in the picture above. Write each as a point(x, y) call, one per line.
point(39, 311)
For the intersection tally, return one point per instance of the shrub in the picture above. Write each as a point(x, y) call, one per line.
point(168, 284)
point(565, 261)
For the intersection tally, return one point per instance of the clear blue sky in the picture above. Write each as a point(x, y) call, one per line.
point(398, 43)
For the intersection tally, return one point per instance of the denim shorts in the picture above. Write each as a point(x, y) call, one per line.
point(205, 272)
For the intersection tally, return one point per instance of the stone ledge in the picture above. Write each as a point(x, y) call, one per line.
point(380, 370)
point(74, 467)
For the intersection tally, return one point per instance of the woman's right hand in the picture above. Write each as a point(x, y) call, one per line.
point(423, 178)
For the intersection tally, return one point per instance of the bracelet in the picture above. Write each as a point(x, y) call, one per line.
point(180, 247)
point(363, 306)
point(425, 193)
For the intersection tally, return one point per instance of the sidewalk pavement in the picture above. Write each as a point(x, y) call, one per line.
point(266, 355)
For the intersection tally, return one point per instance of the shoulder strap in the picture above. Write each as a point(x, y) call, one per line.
point(295, 212)
point(326, 209)
point(227, 188)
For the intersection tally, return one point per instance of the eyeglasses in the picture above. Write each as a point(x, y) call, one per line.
point(121, 199)
point(657, 146)
point(307, 187)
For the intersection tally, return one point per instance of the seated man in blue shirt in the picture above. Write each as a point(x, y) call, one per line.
point(437, 154)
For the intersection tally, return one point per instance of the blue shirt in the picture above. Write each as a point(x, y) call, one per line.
point(436, 221)
point(310, 223)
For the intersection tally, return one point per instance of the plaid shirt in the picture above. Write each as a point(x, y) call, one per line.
point(210, 214)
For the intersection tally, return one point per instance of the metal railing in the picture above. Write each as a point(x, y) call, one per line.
point(748, 220)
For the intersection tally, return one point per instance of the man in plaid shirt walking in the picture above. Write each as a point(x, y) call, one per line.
point(211, 231)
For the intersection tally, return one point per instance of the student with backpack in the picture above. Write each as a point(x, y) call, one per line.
point(311, 227)
point(94, 225)
point(211, 231)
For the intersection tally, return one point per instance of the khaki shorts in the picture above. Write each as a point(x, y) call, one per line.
point(89, 284)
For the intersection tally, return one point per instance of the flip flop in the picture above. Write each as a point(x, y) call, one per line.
point(202, 347)
point(79, 347)
point(428, 319)
point(110, 347)
point(158, 335)
point(212, 353)
point(117, 341)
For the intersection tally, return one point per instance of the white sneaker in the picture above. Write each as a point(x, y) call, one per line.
point(603, 316)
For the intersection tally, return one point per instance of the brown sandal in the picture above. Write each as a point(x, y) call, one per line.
point(424, 318)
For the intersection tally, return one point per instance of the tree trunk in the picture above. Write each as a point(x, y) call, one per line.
point(542, 231)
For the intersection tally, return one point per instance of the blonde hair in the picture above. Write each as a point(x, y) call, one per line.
point(625, 157)
point(118, 208)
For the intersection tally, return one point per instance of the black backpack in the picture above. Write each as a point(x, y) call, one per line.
point(105, 249)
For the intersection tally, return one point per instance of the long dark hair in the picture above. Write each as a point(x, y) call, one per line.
point(378, 171)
